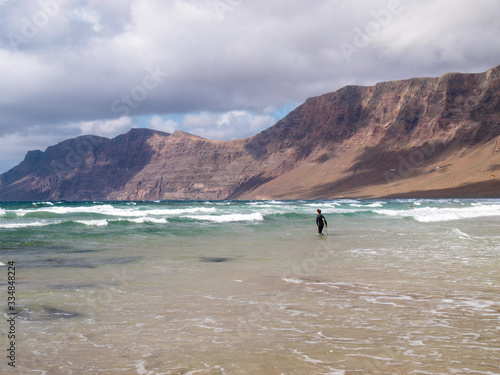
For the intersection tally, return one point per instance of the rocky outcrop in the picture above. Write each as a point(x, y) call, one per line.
point(420, 137)
point(416, 137)
point(83, 168)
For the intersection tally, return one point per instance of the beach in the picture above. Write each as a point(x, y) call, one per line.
point(249, 287)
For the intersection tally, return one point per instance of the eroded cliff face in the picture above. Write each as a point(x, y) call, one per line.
point(416, 137)
point(83, 168)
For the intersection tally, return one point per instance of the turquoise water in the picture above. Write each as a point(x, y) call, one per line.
point(243, 287)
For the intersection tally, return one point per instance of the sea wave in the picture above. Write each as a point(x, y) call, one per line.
point(256, 216)
point(370, 205)
point(179, 211)
point(19, 216)
point(42, 203)
point(93, 223)
point(97, 209)
point(436, 214)
point(109, 210)
point(324, 204)
point(90, 223)
point(27, 225)
point(140, 220)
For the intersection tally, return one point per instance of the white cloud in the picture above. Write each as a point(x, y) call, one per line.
point(15, 145)
point(228, 125)
point(226, 65)
point(22, 76)
point(164, 125)
point(105, 128)
point(90, 16)
point(439, 36)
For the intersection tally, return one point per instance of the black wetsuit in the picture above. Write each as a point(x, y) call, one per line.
point(320, 222)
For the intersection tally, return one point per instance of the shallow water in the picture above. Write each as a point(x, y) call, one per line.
point(394, 287)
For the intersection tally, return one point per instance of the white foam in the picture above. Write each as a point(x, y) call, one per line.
point(103, 209)
point(306, 358)
point(2, 264)
point(478, 304)
point(376, 204)
point(292, 280)
point(142, 220)
point(327, 204)
point(379, 301)
point(261, 204)
point(2, 212)
point(335, 371)
point(109, 210)
point(435, 214)
point(371, 205)
point(180, 211)
point(460, 233)
point(140, 365)
point(27, 225)
point(347, 201)
point(257, 216)
point(93, 223)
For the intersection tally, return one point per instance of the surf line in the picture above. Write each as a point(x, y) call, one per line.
point(11, 313)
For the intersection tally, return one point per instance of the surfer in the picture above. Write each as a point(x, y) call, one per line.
point(320, 222)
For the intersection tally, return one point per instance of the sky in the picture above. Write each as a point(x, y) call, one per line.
point(220, 69)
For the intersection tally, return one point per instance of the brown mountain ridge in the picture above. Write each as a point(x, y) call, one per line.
point(420, 137)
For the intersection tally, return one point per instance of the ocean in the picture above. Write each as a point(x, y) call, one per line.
point(249, 287)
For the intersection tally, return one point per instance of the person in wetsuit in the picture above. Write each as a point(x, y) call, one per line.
point(320, 222)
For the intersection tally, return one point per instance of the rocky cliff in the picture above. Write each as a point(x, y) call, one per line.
point(422, 137)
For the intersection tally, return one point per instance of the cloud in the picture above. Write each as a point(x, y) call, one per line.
point(50, 24)
point(164, 125)
point(105, 128)
point(16, 144)
point(67, 65)
point(228, 125)
point(438, 33)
